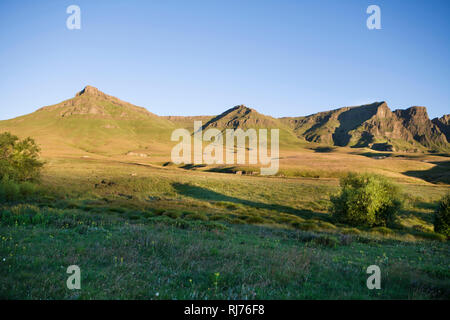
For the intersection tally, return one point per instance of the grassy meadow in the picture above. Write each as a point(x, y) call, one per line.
point(147, 229)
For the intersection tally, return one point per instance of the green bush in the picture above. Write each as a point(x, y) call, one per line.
point(9, 190)
point(366, 200)
point(19, 158)
point(442, 217)
point(15, 191)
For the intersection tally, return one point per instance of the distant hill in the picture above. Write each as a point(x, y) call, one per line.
point(95, 122)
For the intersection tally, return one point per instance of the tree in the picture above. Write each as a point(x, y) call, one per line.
point(442, 216)
point(366, 200)
point(19, 159)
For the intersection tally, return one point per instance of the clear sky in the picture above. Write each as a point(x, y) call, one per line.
point(192, 57)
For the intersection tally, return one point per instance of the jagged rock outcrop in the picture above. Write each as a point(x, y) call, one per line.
point(443, 123)
point(416, 120)
point(373, 125)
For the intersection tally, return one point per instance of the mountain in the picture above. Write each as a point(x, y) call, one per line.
point(372, 125)
point(95, 122)
point(241, 117)
point(91, 101)
point(92, 122)
point(245, 118)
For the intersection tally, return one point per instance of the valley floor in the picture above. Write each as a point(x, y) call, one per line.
point(153, 232)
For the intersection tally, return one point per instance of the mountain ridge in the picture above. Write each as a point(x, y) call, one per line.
point(101, 121)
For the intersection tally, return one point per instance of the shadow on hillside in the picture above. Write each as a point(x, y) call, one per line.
point(350, 120)
point(209, 195)
point(324, 149)
point(192, 166)
point(426, 216)
point(374, 155)
point(438, 174)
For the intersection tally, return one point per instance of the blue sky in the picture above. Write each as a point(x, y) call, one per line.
point(192, 57)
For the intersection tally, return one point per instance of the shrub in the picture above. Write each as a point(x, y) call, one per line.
point(19, 158)
point(366, 200)
point(442, 217)
point(9, 190)
point(14, 191)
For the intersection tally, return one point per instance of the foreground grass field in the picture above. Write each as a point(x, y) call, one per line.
point(145, 231)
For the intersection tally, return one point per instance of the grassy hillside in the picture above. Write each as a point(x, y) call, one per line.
point(92, 122)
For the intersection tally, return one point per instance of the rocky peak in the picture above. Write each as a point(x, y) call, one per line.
point(443, 123)
point(383, 110)
point(416, 120)
point(91, 101)
point(415, 114)
point(241, 109)
point(90, 91)
point(444, 119)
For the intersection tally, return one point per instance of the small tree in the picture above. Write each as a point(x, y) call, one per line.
point(442, 217)
point(19, 159)
point(366, 200)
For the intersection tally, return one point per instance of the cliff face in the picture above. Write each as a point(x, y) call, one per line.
point(443, 124)
point(424, 131)
point(374, 125)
